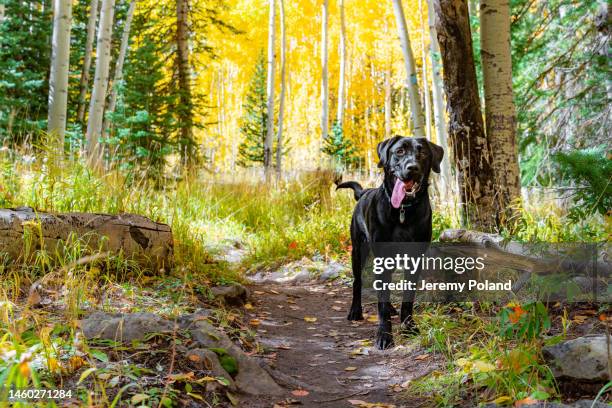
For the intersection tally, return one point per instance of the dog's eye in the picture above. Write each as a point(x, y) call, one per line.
point(400, 152)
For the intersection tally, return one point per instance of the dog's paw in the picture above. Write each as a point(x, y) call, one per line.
point(409, 328)
point(384, 339)
point(355, 314)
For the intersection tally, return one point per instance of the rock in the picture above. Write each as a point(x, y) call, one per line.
point(251, 378)
point(204, 359)
point(232, 295)
point(589, 404)
point(124, 327)
point(581, 359)
point(332, 271)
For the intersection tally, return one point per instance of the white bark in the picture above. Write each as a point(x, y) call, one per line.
point(425, 76)
point(388, 106)
point(281, 108)
point(2, 11)
point(324, 71)
point(60, 63)
point(270, 91)
point(412, 82)
point(439, 107)
point(84, 84)
point(499, 101)
point(98, 96)
point(342, 79)
point(118, 77)
point(148, 243)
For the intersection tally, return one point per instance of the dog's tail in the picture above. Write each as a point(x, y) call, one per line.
point(356, 187)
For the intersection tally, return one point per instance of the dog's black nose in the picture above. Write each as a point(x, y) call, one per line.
point(410, 170)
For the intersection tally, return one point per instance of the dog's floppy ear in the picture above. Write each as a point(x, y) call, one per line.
point(437, 153)
point(383, 149)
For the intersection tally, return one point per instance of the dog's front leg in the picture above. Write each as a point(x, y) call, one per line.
point(408, 326)
point(384, 336)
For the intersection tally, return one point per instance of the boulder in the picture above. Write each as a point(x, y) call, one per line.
point(580, 359)
point(124, 327)
point(250, 378)
point(332, 271)
point(231, 295)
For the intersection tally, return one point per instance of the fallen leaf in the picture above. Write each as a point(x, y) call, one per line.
point(138, 398)
point(525, 401)
point(502, 400)
point(350, 369)
point(248, 306)
point(254, 322)
point(336, 308)
point(310, 319)
point(579, 319)
point(372, 318)
point(194, 357)
point(299, 393)
point(422, 357)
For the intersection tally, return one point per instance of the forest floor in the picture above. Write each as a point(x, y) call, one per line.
point(327, 360)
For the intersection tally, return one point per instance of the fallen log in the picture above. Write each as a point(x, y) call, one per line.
point(23, 231)
point(536, 258)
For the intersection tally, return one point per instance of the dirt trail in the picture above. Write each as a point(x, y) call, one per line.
point(331, 358)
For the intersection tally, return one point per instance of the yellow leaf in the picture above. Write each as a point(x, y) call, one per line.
point(350, 369)
point(483, 367)
point(138, 398)
point(310, 319)
point(502, 400)
point(248, 306)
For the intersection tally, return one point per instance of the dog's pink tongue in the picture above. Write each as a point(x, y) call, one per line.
point(398, 194)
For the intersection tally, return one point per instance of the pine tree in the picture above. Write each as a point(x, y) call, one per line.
point(254, 123)
point(341, 150)
point(25, 38)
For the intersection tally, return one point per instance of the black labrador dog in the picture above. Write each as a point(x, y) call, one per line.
point(397, 211)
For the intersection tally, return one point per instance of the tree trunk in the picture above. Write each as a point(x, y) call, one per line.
point(342, 78)
point(118, 78)
point(427, 96)
point(412, 83)
point(388, 104)
point(60, 64)
point(98, 95)
point(185, 109)
point(281, 107)
point(324, 72)
point(84, 83)
point(24, 231)
point(270, 91)
point(447, 184)
point(469, 144)
point(499, 102)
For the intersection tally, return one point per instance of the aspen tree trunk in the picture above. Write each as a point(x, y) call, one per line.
point(118, 78)
point(499, 102)
point(342, 79)
point(425, 76)
point(185, 111)
point(324, 72)
point(466, 128)
point(98, 95)
point(447, 183)
point(84, 83)
point(60, 61)
point(270, 92)
point(388, 101)
point(412, 83)
point(281, 108)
